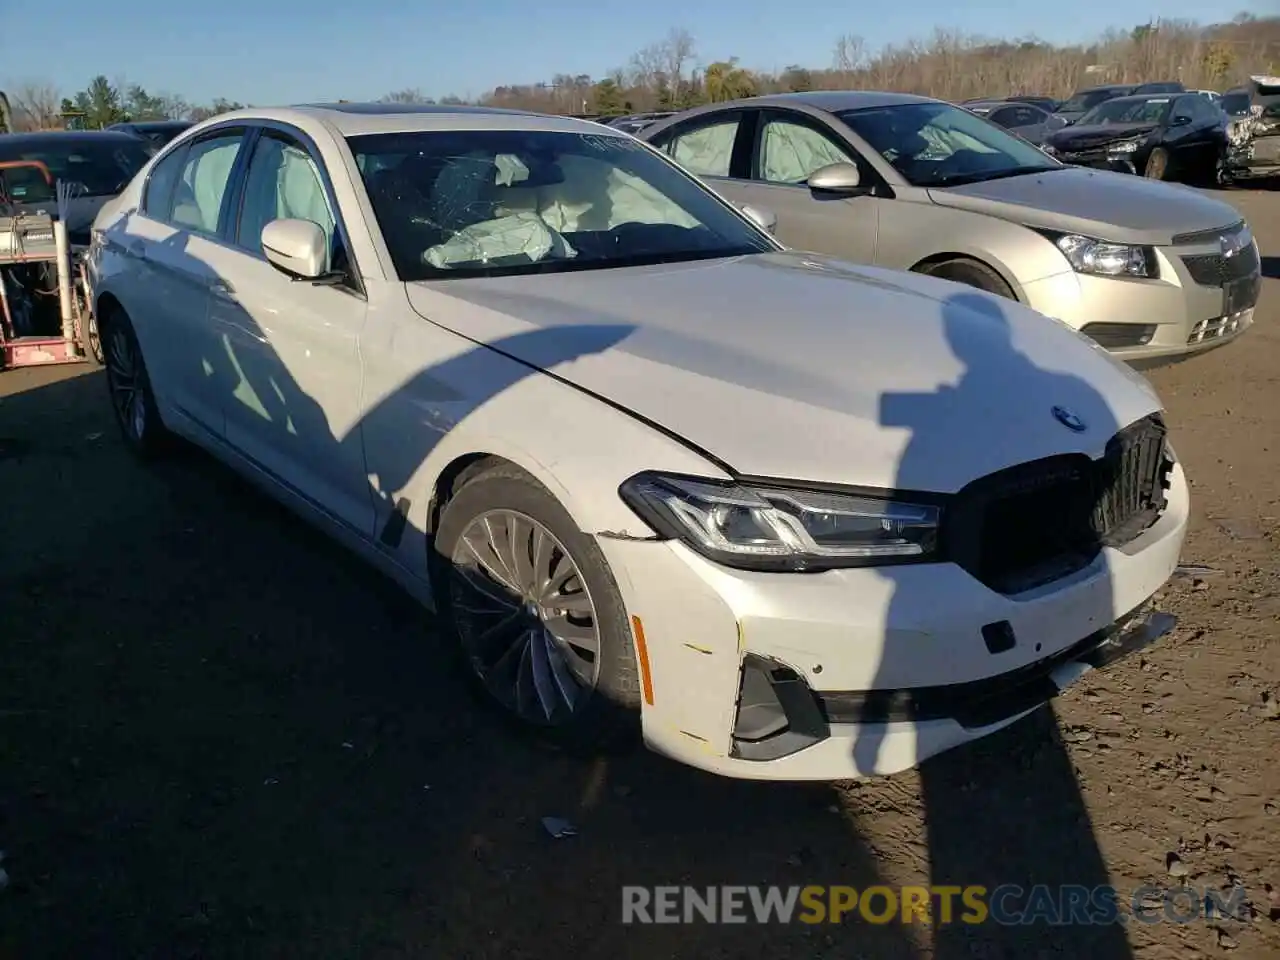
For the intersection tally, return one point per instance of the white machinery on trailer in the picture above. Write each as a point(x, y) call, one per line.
point(45, 307)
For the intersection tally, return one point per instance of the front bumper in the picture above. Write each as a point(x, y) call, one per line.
point(1103, 159)
point(873, 669)
point(1165, 318)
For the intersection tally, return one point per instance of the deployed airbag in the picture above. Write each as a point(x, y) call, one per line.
point(520, 234)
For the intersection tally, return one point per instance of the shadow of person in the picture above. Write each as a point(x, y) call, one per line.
point(1006, 812)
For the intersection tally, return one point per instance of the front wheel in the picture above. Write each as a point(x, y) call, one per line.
point(129, 386)
point(89, 338)
point(534, 612)
point(972, 274)
point(1157, 167)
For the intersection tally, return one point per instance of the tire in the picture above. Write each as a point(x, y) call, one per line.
point(1157, 166)
point(971, 273)
point(604, 713)
point(89, 338)
point(133, 402)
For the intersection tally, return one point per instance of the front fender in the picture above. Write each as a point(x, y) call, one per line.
point(927, 231)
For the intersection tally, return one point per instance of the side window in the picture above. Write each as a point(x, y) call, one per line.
point(706, 151)
point(1026, 116)
point(282, 184)
point(1204, 110)
point(157, 200)
point(790, 151)
point(197, 197)
point(1004, 117)
point(1183, 109)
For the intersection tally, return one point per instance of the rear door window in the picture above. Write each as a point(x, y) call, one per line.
point(198, 195)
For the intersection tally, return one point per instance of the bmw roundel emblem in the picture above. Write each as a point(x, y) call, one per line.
point(1068, 419)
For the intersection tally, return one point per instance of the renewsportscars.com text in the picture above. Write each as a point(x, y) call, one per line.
point(1009, 904)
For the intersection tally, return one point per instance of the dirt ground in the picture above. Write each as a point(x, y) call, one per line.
point(220, 737)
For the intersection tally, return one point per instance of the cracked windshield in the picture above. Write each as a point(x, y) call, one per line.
point(489, 203)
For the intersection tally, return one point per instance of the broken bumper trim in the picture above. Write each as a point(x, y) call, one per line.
point(778, 714)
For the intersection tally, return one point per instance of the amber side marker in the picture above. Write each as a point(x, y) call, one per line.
point(646, 679)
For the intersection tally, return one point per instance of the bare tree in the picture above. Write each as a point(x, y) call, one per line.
point(648, 66)
point(37, 106)
point(174, 107)
point(408, 95)
point(850, 54)
point(677, 54)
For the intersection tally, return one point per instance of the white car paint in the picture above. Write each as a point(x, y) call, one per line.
point(778, 364)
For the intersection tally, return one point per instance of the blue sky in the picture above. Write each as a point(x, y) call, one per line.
point(266, 52)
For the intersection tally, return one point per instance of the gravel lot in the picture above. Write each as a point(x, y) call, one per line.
point(220, 737)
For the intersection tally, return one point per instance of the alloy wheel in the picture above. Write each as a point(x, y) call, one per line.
point(525, 617)
point(126, 382)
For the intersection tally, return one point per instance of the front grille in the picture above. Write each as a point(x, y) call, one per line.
point(1115, 336)
point(1215, 270)
point(1031, 524)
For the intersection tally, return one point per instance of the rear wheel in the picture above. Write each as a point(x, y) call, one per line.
point(972, 274)
point(534, 612)
point(129, 386)
point(1157, 167)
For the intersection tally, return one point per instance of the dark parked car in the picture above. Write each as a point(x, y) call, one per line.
point(1171, 137)
point(1159, 86)
point(156, 132)
point(1082, 101)
point(636, 122)
point(1027, 121)
point(99, 164)
point(1235, 102)
point(1047, 104)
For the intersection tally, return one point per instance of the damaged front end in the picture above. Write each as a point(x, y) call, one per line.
point(1253, 140)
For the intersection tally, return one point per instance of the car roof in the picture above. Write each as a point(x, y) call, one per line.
point(993, 104)
point(151, 124)
point(41, 138)
point(1145, 97)
point(354, 119)
point(834, 101)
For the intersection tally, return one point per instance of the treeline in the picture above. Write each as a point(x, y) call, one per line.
point(671, 74)
point(666, 75)
point(41, 106)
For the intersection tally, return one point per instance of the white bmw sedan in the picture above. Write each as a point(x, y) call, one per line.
point(789, 517)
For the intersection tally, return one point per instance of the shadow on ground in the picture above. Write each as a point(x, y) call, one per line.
point(222, 737)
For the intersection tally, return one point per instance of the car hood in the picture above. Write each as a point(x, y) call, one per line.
point(1096, 203)
point(80, 215)
point(1096, 134)
point(799, 367)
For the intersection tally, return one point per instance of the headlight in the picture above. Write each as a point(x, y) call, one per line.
point(1087, 255)
point(763, 527)
point(1125, 146)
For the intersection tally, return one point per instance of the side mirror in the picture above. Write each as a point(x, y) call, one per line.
point(298, 248)
point(766, 220)
point(835, 178)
